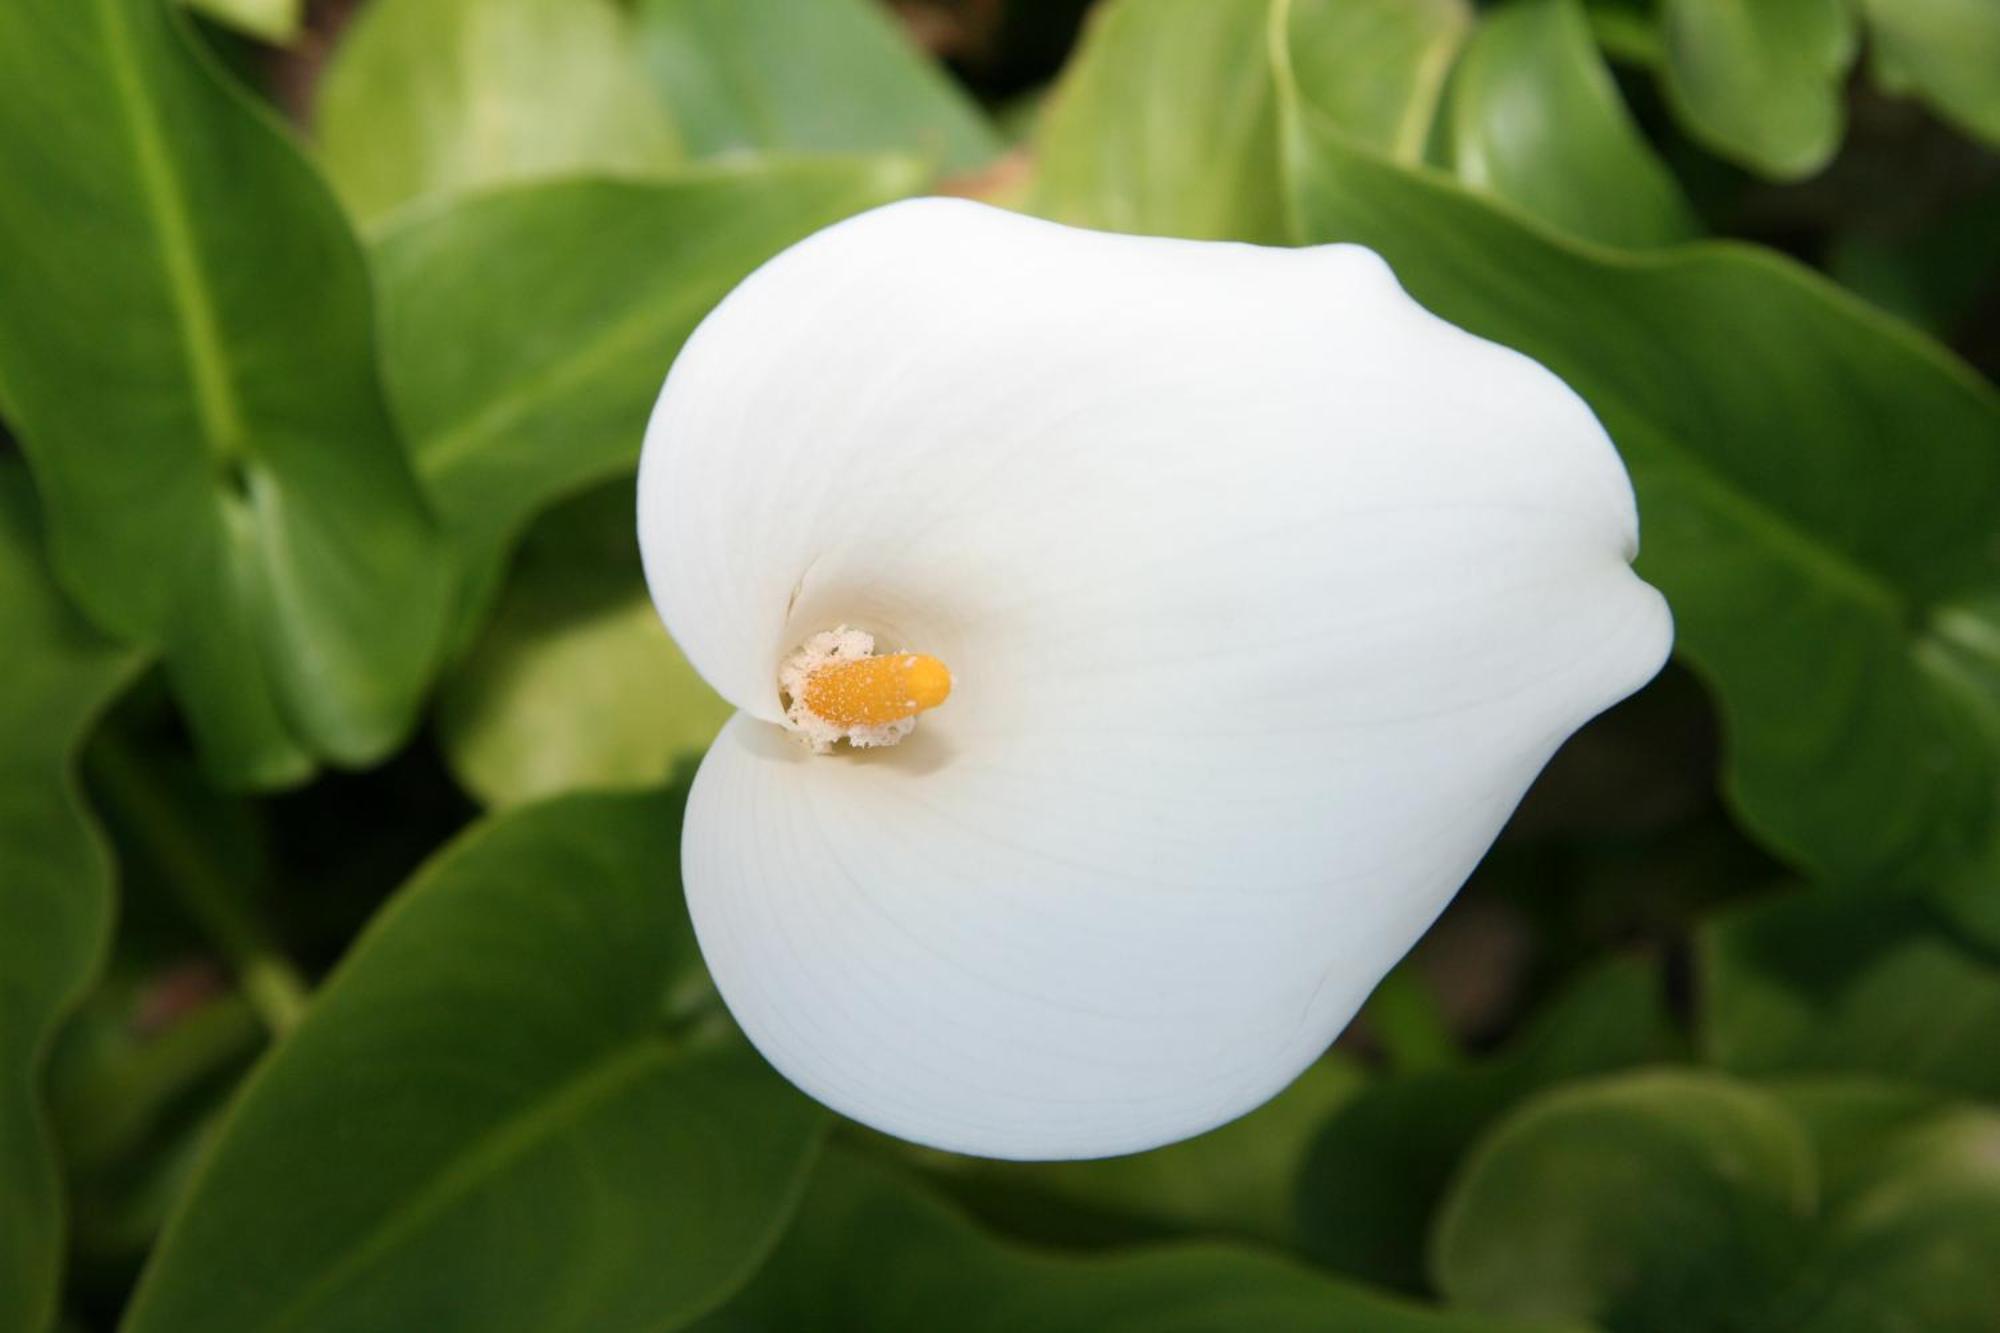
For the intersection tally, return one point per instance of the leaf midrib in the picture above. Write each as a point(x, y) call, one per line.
point(504, 1143)
point(216, 404)
point(452, 448)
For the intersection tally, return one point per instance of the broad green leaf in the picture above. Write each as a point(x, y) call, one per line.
point(1946, 52)
point(1232, 1182)
point(513, 1106)
point(438, 97)
point(1817, 982)
point(806, 76)
point(1816, 484)
point(189, 357)
point(1663, 1200)
point(55, 883)
point(871, 1254)
point(574, 683)
point(1536, 119)
point(1910, 1242)
point(1627, 30)
point(1687, 1201)
point(1378, 1166)
point(1375, 68)
point(277, 21)
point(1759, 81)
point(526, 332)
point(1164, 124)
point(1849, 1119)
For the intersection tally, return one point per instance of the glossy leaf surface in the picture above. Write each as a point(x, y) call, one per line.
point(1816, 487)
point(514, 1106)
point(220, 477)
point(806, 76)
point(526, 332)
point(439, 97)
point(1535, 118)
point(1761, 82)
point(1944, 51)
point(1164, 125)
point(574, 684)
point(1816, 483)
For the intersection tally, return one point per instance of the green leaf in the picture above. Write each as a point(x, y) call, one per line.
point(55, 883)
point(190, 362)
point(1664, 1200)
point(1679, 1201)
point(1817, 486)
point(1165, 121)
point(1911, 1243)
point(574, 683)
point(1232, 1182)
point(806, 76)
point(1946, 52)
point(526, 332)
point(871, 1254)
point(515, 1105)
point(438, 97)
point(1817, 982)
point(1536, 119)
point(1760, 82)
point(1375, 68)
point(1379, 1166)
point(1849, 1120)
point(275, 21)
point(1164, 125)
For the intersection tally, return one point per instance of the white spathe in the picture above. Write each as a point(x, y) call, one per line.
point(1266, 594)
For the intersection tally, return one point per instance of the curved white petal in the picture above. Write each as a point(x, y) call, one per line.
point(1266, 594)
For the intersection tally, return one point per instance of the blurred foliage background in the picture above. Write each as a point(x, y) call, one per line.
point(342, 753)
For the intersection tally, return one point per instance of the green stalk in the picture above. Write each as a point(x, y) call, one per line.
point(269, 982)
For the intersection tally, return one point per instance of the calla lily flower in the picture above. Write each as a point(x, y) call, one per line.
point(1136, 643)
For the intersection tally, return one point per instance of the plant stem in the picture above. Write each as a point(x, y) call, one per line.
point(269, 982)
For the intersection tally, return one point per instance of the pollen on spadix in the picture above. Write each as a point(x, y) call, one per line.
point(836, 687)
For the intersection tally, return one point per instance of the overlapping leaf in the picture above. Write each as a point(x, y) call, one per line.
point(1761, 83)
point(869, 1254)
point(573, 684)
point(266, 20)
point(1534, 118)
point(185, 332)
point(55, 883)
point(1945, 51)
point(437, 97)
point(1235, 1182)
point(1816, 491)
point(1380, 1164)
point(1156, 130)
point(526, 331)
point(1819, 983)
point(514, 1106)
point(806, 76)
point(1672, 1200)
point(1656, 1201)
point(1816, 484)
